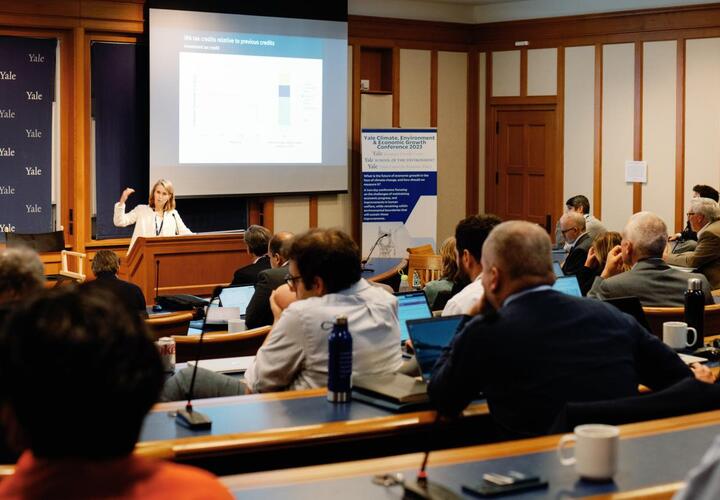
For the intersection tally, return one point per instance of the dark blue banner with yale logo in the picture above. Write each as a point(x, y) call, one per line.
point(27, 83)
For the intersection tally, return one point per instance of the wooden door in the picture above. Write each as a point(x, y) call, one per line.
point(525, 165)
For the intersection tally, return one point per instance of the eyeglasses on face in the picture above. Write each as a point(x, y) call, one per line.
point(563, 231)
point(690, 214)
point(290, 280)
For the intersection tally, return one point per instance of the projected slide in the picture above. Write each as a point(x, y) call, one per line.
point(236, 108)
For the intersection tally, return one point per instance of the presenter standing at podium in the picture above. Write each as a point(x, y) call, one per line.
point(158, 218)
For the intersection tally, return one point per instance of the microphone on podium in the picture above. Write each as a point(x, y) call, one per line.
point(157, 307)
point(188, 417)
point(372, 249)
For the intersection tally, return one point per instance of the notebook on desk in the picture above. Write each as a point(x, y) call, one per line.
point(399, 392)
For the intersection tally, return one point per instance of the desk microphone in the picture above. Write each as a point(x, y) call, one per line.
point(157, 307)
point(177, 229)
point(188, 417)
point(422, 488)
point(372, 249)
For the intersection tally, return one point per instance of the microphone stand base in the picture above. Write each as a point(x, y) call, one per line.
point(428, 490)
point(193, 420)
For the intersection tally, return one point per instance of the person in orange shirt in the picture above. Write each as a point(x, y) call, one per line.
point(77, 377)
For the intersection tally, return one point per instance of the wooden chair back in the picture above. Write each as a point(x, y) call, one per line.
point(65, 271)
point(421, 250)
point(428, 267)
point(166, 325)
point(220, 345)
point(656, 316)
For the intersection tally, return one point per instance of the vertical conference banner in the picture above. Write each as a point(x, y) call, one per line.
point(399, 189)
point(27, 92)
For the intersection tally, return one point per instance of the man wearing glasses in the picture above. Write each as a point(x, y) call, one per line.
point(577, 242)
point(324, 273)
point(705, 220)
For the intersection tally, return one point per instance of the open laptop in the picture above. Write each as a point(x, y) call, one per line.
point(411, 305)
point(429, 338)
point(568, 285)
point(557, 269)
point(232, 305)
point(397, 391)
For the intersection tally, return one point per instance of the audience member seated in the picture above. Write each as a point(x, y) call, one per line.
point(703, 481)
point(105, 266)
point(77, 376)
point(596, 259)
point(577, 242)
point(258, 311)
point(686, 241)
point(580, 204)
point(705, 220)
point(470, 234)
point(650, 279)
point(449, 273)
point(533, 349)
point(256, 239)
point(21, 275)
point(325, 273)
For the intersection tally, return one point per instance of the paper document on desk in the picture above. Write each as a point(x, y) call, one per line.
point(225, 365)
point(689, 359)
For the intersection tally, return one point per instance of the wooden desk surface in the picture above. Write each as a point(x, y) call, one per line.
point(654, 457)
point(248, 426)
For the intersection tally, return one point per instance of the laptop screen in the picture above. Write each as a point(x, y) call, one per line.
point(237, 296)
point(429, 337)
point(633, 307)
point(557, 269)
point(411, 305)
point(568, 285)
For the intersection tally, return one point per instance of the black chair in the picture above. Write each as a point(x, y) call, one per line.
point(687, 396)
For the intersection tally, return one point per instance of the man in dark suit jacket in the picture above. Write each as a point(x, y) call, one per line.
point(578, 242)
point(105, 266)
point(535, 349)
point(256, 239)
point(650, 279)
point(258, 312)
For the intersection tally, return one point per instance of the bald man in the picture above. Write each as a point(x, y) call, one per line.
point(535, 349)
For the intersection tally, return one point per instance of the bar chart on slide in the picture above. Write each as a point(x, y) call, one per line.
point(249, 109)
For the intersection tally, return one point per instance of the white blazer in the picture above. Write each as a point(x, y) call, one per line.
point(147, 223)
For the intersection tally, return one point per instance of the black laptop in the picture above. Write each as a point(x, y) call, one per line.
point(399, 392)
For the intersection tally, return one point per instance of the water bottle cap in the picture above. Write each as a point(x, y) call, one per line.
point(694, 284)
point(341, 320)
point(403, 277)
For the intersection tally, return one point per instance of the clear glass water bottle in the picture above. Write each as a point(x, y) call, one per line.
point(404, 284)
point(695, 310)
point(340, 351)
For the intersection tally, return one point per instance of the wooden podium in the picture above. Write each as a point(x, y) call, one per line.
point(193, 264)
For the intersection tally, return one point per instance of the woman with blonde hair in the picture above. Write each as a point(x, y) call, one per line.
point(449, 272)
point(596, 259)
point(157, 218)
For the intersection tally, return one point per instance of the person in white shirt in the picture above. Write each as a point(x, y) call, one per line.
point(470, 234)
point(324, 272)
point(157, 218)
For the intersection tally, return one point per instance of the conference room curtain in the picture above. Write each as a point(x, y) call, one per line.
point(119, 90)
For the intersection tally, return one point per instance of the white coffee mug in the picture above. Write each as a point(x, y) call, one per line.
point(675, 334)
point(596, 450)
point(236, 325)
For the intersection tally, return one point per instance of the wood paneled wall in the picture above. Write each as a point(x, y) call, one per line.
point(443, 74)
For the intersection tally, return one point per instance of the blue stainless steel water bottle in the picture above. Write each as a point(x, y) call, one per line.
point(340, 351)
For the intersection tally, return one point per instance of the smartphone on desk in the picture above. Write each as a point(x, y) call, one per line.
point(494, 484)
